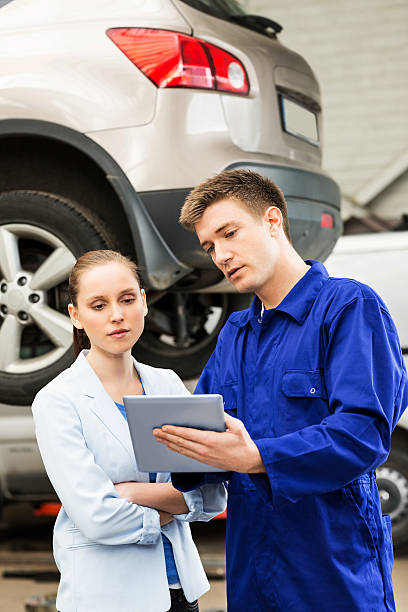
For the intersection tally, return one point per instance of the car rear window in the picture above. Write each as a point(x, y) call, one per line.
point(222, 9)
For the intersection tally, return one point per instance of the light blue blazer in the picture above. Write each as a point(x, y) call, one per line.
point(108, 550)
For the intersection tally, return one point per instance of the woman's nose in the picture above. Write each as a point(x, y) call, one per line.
point(116, 314)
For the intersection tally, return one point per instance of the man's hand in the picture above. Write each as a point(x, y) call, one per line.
point(231, 450)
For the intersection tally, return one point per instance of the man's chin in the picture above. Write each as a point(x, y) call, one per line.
point(242, 287)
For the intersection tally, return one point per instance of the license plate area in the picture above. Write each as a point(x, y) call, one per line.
point(299, 121)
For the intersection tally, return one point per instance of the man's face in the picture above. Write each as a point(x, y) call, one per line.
point(242, 246)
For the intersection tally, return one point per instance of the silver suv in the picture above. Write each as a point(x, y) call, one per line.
point(110, 112)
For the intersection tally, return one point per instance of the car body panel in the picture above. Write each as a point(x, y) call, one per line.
point(253, 121)
point(44, 74)
point(381, 261)
point(22, 474)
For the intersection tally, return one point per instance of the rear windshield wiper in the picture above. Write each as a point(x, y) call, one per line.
point(258, 23)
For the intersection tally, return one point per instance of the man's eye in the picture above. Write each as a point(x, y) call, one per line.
point(98, 306)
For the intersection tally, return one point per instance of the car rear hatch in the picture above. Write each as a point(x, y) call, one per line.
point(281, 115)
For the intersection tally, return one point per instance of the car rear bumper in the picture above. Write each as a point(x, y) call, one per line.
point(308, 194)
point(22, 474)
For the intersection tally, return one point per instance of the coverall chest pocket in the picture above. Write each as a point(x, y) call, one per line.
point(305, 400)
point(230, 396)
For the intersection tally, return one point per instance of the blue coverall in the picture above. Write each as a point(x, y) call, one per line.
point(320, 383)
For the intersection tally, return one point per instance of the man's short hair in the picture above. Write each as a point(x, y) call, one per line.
point(254, 191)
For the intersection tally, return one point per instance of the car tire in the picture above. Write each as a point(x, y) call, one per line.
point(392, 482)
point(181, 329)
point(39, 230)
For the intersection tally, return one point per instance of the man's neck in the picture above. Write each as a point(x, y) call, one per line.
point(290, 269)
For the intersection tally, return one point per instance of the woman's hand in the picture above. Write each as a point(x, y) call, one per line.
point(165, 517)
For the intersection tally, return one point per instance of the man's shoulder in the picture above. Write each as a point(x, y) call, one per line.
point(346, 290)
point(347, 294)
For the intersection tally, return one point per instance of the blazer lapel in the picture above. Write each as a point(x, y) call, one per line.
point(101, 403)
point(151, 384)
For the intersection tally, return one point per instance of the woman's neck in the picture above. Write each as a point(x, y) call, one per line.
point(112, 370)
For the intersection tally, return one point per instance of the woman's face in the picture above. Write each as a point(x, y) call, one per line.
point(111, 307)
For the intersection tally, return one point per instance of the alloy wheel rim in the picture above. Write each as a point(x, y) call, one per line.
point(24, 298)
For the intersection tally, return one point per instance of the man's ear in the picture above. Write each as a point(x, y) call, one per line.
point(73, 313)
point(273, 218)
point(145, 309)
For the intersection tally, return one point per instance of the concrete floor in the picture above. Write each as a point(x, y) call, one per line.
point(14, 592)
point(25, 544)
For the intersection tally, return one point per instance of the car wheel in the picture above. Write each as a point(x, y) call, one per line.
point(181, 329)
point(41, 236)
point(392, 482)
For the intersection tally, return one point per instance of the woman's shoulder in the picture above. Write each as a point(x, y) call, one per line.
point(62, 385)
point(160, 380)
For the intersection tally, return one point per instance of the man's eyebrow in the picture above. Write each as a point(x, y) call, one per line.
point(220, 229)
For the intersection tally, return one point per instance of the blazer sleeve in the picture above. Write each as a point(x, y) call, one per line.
point(84, 489)
point(208, 500)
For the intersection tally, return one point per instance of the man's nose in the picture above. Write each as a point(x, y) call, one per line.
point(221, 256)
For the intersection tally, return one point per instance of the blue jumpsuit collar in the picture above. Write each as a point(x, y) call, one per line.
point(296, 303)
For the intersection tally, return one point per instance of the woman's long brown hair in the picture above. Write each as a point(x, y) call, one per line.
point(85, 262)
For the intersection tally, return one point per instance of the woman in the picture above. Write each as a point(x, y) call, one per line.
point(121, 540)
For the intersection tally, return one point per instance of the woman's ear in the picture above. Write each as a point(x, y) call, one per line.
point(73, 313)
point(143, 294)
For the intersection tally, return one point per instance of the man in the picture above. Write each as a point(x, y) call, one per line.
point(313, 382)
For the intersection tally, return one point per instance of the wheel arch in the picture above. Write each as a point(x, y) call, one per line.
point(47, 156)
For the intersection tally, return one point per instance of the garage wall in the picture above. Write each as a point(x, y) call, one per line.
point(359, 52)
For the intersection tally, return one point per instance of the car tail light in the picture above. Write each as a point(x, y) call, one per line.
point(171, 59)
point(327, 220)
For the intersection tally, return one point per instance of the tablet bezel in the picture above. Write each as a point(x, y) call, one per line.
point(146, 412)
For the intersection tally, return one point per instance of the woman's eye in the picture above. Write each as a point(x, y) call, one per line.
point(98, 306)
point(129, 300)
point(230, 234)
point(210, 250)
